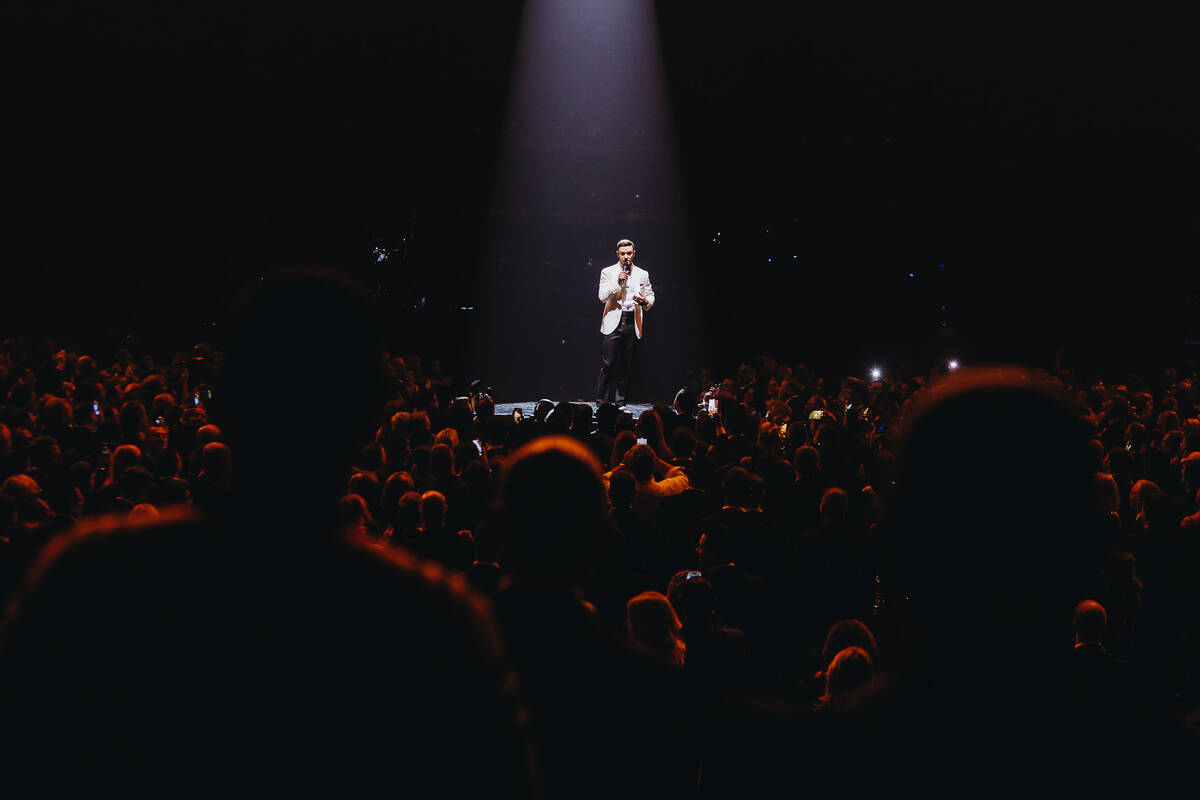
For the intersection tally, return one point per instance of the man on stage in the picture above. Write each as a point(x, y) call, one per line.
point(626, 293)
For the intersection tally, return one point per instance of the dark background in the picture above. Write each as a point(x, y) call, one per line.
point(158, 157)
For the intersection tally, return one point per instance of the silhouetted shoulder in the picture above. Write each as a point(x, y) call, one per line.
point(188, 648)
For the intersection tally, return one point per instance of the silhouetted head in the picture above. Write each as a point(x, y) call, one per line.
point(850, 671)
point(1148, 501)
point(56, 413)
point(640, 460)
point(683, 442)
point(849, 633)
point(685, 401)
point(303, 356)
point(834, 504)
point(133, 422)
point(143, 513)
point(408, 511)
point(718, 546)
point(967, 505)
point(654, 625)
point(543, 409)
point(206, 434)
point(606, 418)
point(649, 425)
point(621, 444)
point(441, 460)
point(552, 505)
point(738, 488)
point(621, 488)
point(396, 486)
point(216, 460)
point(1089, 622)
point(807, 461)
point(581, 419)
point(366, 486)
point(692, 598)
point(1108, 494)
point(448, 437)
point(1190, 470)
point(124, 457)
point(559, 418)
point(433, 510)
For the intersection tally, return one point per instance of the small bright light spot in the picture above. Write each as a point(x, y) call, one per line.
point(876, 373)
point(911, 275)
point(952, 363)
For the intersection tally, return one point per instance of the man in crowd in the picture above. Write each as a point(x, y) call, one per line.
point(626, 293)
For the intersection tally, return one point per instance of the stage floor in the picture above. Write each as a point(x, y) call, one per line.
point(505, 409)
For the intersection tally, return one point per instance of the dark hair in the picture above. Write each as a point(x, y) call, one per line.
point(395, 487)
point(951, 484)
point(366, 486)
point(650, 428)
point(685, 398)
point(851, 669)
point(1089, 621)
point(683, 442)
point(621, 444)
point(737, 487)
point(621, 488)
point(371, 457)
point(834, 503)
point(441, 460)
point(552, 506)
point(849, 633)
point(640, 460)
point(654, 625)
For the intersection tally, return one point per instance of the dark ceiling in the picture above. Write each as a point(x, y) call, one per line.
point(185, 146)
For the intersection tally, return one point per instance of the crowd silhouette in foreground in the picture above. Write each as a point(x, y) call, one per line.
point(295, 562)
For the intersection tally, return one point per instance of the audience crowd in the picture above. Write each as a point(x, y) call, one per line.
point(775, 576)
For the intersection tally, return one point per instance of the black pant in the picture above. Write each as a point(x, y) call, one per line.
point(616, 362)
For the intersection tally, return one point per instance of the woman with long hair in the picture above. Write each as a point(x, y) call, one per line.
point(650, 428)
point(653, 625)
point(621, 444)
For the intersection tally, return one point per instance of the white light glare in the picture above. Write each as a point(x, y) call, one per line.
point(876, 373)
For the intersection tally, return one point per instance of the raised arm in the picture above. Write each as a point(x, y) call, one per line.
point(609, 285)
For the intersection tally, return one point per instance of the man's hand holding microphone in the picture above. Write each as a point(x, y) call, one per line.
point(623, 280)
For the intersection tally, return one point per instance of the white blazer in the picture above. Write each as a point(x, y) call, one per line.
point(612, 294)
